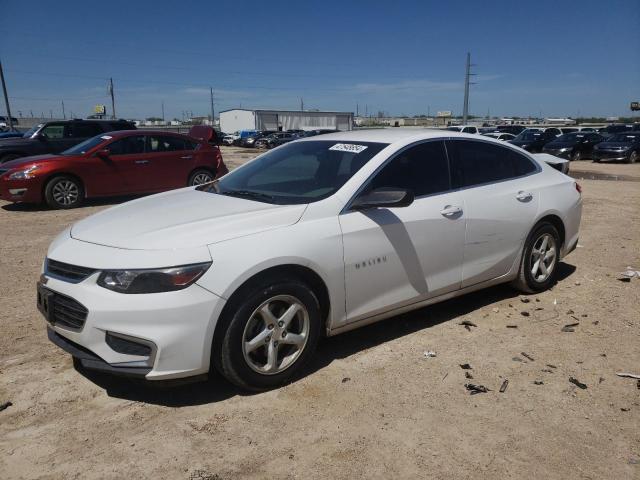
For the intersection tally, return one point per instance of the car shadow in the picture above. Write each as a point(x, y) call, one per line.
point(90, 202)
point(216, 388)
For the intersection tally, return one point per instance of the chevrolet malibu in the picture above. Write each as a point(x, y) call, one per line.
point(117, 163)
point(319, 236)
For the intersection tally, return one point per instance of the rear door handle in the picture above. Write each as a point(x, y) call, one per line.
point(186, 157)
point(450, 211)
point(141, 162)
point(524, 196)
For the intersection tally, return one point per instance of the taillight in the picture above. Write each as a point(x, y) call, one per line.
point(578, 188)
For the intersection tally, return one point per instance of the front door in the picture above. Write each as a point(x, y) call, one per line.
point(398, 256)
point(58, 137)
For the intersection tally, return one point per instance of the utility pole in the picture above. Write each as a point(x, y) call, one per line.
point(163, 110)
point(465, 112)
point(64, 115)
point(301, 104)
point(213, 122)
point(113, 101)
point(357, 108)
point(6, 97)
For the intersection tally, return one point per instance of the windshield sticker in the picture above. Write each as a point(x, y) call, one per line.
point(348, 147)
point(106, 137)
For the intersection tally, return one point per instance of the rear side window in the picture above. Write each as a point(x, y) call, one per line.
point(476, 163)
point(422, 169)
point(85, 130)
point(162, 143)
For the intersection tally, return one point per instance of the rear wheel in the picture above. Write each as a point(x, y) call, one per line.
point(200, 176)
point(63, 192)
point(633, 158)
point(576, 156)
point(538, 267)
point(271, 334)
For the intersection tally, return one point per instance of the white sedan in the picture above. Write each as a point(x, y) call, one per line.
point(316, 237)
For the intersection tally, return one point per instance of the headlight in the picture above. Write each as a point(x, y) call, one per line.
point(24, 174)
point(251, 140)
point(152, 281)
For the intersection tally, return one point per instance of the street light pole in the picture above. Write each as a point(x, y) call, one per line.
point(6, 97)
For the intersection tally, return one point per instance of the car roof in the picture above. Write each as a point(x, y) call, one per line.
point(390, 135)
point(124, 133)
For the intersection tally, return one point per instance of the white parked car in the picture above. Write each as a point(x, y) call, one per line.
point(316, 237)
point(464, 129)
point(500, 136)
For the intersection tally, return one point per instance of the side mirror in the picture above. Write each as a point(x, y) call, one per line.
point(384, 198)
point(103, 153)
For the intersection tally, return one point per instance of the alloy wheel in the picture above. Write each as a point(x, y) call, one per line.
point(275, 335)
point(65, 192)
point(201, 178)
point(543, 257)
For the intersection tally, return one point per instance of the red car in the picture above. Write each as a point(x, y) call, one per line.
point(116, 163)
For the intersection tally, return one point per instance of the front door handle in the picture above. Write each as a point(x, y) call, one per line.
point(142, 162)
point(186, 157)
point(524, 196)
point(450, 211)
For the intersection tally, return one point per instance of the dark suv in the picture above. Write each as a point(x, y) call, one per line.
point(57, 136)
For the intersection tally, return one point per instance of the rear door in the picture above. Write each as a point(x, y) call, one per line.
point(171, 158)
point(398, 256)
point(500, 205)
point(127, 156)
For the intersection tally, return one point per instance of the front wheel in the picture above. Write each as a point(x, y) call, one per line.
point(539, 264)
point(270, 336)
point(64, 192)
point(576, 156)
point(633, 158)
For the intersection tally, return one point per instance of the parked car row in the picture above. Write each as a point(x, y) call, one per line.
point(111, 163)
point(269, 138)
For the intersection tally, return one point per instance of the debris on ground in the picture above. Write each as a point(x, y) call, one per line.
point(429, 354)
point(346, 379)
point(525, 299)
point(628, 375)
point(600, 380)
point(551, 365)
point(578, 383)
point(517, 359)
point(628, 274)
point(538, 382)
point(624, 409)
point(465, 366)
point(546, 370)
point(5, 405)
point(570, 327)
point(467, 324)
point(503, 387)
point(570, 312)
point(468, 375)
point(475, 389)
point(524, 313)
point(526, 355)
point(512, 326)
point(495, 310)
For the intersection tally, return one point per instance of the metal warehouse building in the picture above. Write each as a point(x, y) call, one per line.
point(242, 119)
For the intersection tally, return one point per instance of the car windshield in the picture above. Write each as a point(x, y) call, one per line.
point(528, 136)
point(570, 137)
point(32, 130)
point(87, 145)
point(453, 129)
point(624, 138)
point(298, 172)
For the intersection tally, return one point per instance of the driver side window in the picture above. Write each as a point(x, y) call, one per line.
point(423, 169)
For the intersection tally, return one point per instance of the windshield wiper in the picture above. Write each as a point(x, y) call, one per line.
point(261, 197)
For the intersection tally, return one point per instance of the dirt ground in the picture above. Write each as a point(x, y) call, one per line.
point(372, 405)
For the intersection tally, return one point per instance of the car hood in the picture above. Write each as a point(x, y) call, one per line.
point(15, 142)
point(614, 145)
point(183, 218)
point(26, 161)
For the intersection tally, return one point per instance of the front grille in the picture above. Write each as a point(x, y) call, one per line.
point(67, 312)
point(66, 272)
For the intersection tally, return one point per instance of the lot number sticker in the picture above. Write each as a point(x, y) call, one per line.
point(348, 147)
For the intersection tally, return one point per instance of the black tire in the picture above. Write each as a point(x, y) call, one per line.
point(526, 282)
point(633, 158)
point(576, 156)
point(55, 196)
point(8, 157)
point(197, 177)
point(228, 354)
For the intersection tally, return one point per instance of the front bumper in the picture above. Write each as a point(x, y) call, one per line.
point(609, 155)
point(29, 191)
point(178, 324)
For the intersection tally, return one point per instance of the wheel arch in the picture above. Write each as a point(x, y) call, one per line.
point(53, 175)
point(207, 168)
point(557, 222)
point(301, 272)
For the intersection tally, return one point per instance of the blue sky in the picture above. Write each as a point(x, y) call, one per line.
point(402, 57)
